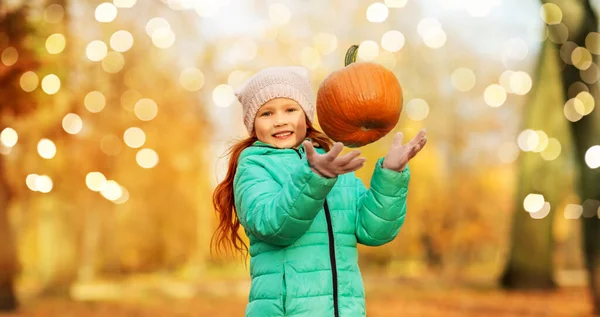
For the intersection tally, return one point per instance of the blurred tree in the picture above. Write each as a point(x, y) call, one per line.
point(530, 257)
point(14, 32)
point(582, 23)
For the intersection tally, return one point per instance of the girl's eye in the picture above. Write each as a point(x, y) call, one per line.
point(292, 109)
point(264, 114)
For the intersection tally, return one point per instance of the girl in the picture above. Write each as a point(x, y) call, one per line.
point(300, 204)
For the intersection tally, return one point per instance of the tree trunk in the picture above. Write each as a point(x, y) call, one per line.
point(8, 300)
point(586, 133)
point(530, 259)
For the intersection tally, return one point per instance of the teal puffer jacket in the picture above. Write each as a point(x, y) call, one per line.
point(303, 231)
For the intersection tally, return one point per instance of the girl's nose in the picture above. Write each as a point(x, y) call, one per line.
point(280, 121)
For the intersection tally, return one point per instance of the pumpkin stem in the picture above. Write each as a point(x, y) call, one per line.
point(351, 55)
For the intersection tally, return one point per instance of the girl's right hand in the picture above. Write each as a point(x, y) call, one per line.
point(329, 164)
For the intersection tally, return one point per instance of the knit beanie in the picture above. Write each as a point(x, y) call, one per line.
point(284, 82)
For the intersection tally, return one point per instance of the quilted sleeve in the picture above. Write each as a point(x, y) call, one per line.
point(278, 214)
point(382, 208)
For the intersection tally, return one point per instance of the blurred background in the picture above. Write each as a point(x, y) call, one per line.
point(115, 118)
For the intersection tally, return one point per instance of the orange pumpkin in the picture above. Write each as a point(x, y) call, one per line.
point(360, 103)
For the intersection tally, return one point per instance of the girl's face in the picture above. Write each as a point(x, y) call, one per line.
point(280, 122)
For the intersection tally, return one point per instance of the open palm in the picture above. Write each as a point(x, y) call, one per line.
point(331, 164)
point(399, 154)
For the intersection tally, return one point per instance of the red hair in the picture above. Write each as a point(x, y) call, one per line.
point(227, 238)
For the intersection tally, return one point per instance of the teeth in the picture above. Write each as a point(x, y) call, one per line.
point(283, 134)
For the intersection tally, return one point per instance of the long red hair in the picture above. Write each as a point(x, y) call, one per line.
point(227, 238)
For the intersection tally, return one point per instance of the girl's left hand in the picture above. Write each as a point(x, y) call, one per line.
point(398, 155)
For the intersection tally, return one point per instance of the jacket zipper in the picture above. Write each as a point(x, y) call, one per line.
point(331, 255)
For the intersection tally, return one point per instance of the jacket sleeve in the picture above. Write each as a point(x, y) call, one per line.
point(382, 208)
point(278, 214)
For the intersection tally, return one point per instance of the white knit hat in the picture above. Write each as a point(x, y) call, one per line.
point(275, 82)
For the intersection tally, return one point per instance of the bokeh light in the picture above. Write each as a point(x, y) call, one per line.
point(129, 98)
point(54, 13)
point(46, 148)
point(528, 140)
point(96, 51)
point(43, 184)
point(533, 202)
point(592, 42)
point(146, 109)
point(573, 211)
point(155, 24)
point(9, 137)
point(106, 12)
point(494, 95)
point(51, 84)
point(223, 95)
point(463, 79)
point(134, 137)
point(520, 83)
point(587, 104)
point(552, 150)
point(113, 62)
point(95, 181)
point(368, 50)
point(392, 41)
point(191, 79)
point(435, 39)
point(30, 181)
point(163, 38)
point(94, 101)
point(55, 43)
point(123, 198)
point(417, 109)
point(542, 212)
point(551, 13)
point(10, 56)
point(558, 33)
point(428, 25)
point(121, 41)
point(542, 141)
point(147, 158)
point(377, 12)
point(29, 81)
point(591, 74)
point(570, 109)
point(111, 190)
point(592, 157)
point(581, 58)
point(72, 123)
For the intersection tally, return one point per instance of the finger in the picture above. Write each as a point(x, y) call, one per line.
point(335, 151)
point(354, 165)
point(398, 139)
point(310, 150)
point(343, 160)
point(417, 139)
point(417, 148)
